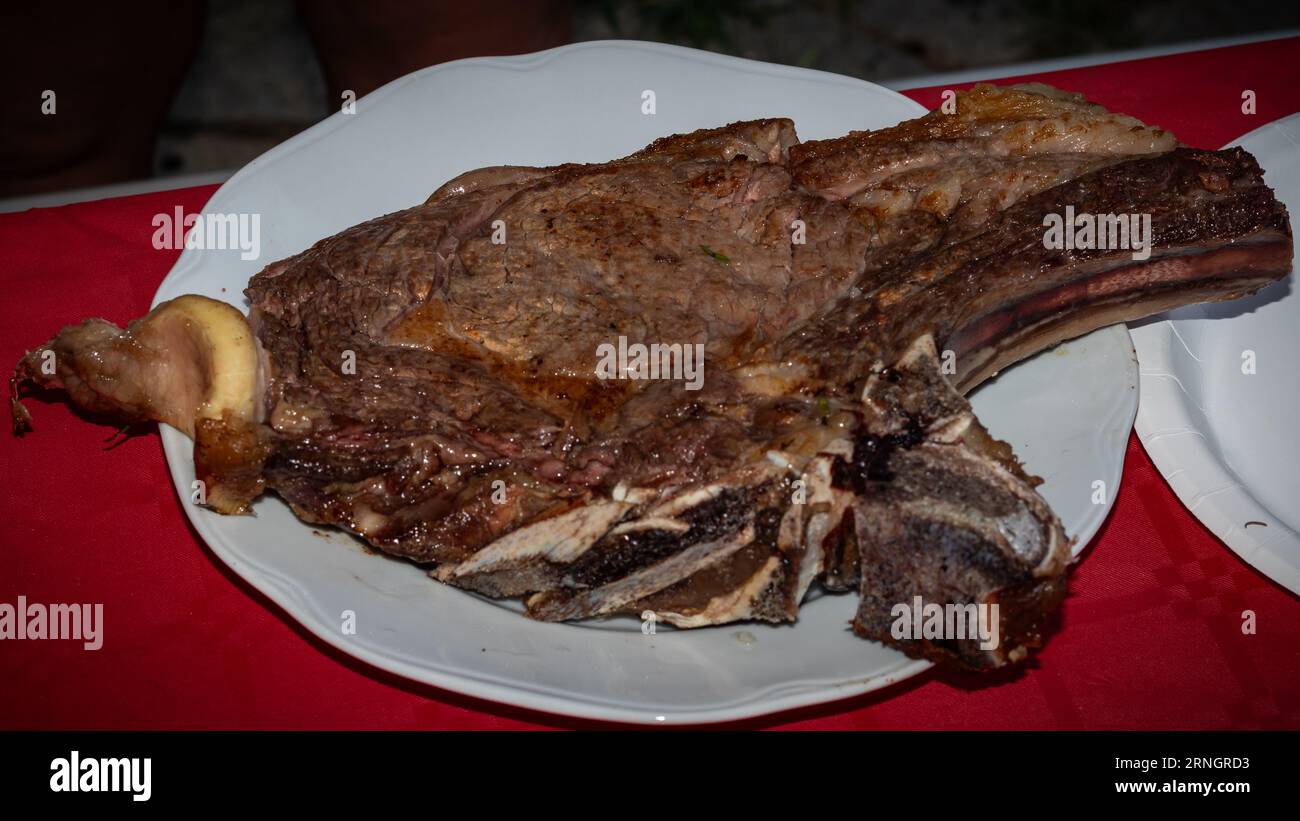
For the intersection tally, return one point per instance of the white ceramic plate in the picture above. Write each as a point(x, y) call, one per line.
point(1226, 439)
point(1067, 412)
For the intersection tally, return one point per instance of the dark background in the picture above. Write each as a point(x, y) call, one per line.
point(183, 87)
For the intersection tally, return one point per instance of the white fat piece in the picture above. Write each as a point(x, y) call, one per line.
point(632, 495)
point(652, 579)
point(560, 539)
point(791, 541)
point(651, 523)
point(684, 501)
point(226, 366)
point(772, 379)
point(828, 505)
point(230, 351)
point(732, 606)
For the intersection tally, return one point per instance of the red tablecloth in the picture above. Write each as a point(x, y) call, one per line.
point(1151, 635)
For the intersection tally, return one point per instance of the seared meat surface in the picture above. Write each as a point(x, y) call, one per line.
point(429, 380)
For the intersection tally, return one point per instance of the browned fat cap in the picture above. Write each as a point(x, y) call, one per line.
point(192, 363)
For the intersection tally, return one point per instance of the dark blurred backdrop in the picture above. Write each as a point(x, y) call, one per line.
point(188, 87)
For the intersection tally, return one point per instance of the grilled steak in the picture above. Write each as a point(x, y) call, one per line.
point(429, 380)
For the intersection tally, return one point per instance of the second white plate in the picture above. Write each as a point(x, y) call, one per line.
point(1220, 394)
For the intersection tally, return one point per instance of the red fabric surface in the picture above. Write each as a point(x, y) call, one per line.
point(1150, 635)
